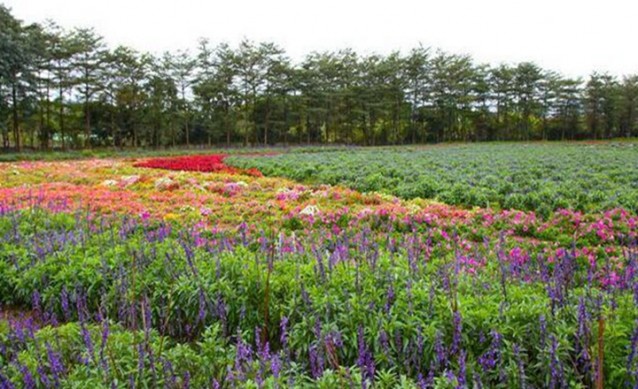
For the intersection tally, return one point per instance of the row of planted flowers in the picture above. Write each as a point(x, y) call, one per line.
point(353, 306)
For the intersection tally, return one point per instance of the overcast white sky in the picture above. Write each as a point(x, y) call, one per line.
point(573, 37)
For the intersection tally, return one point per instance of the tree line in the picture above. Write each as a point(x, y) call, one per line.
point(66, 89)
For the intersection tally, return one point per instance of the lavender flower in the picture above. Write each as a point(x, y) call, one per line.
point(462, 369)
point(543, 331)
point(492, 357)
point(520, 365)
point(316, 361)
point(365, 360)
point(441, 354)
point(5, 383)
point(64, 300)
point(36, 301)
point(275, 365)
point(556, 367)
point(55, 364)
point(170, 373)
point(389, 299)
point(27, 377)
point(457, 336)
point(283, 329)
point(187, 380)
point(384, 342)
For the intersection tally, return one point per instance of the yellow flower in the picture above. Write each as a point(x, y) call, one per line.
point(171, 216)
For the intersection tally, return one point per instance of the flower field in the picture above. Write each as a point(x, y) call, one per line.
point(199, 272)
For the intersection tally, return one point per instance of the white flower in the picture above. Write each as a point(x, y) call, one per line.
point(109, 183)
point(130, 180)
point(310, 210)
point(165, 183)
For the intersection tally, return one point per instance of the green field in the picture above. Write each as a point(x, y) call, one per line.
point(538, 177)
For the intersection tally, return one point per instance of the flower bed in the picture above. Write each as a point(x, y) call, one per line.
point(213, 163)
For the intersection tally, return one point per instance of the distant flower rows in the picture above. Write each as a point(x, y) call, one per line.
point(533, 177)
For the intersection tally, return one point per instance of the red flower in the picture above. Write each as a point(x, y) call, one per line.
point(199, 163)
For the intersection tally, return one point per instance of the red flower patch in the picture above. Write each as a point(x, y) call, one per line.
point(198, 163)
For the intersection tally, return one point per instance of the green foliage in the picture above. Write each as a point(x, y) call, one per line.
point(341, 298)
point(536, 177)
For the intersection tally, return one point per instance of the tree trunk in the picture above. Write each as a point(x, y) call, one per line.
point(5, 138)
point(16, 124)
point(48, 117)
point(61, 118)
point(266, 123)
point(187, 131)
point(285, 121)
point(225, 121)
point(41, 131)
point(113, 130)
point(87, 123)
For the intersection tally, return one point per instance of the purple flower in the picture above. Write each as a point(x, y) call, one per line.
point(37, 304)
point(88, 343)
point(384, 341)
point(441, 354)
point(43, 376)
point(333, 338)
point(27, 377)
point(263, 348)
point(492, 357)
point(478, 384)
point(543, 331)
point(221, 310)
point(457, 336)
point(5, 383)
point(201, 316)
point(365, 359)
point(243, 355)
point(187, 380)
point(105, 336)
point(421, 382)
point(520, 365)
point(389, 299)
point(283, 329)
point(316, 361)
point(582, 337)
point(275, 365)
point(140, 359)
point(64, 300)
point(169, 372)
point(462, 369)
point(556, 367)
point(55, 364)
point(451, 377)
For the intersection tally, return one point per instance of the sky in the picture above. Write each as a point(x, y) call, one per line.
point(572, 37)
